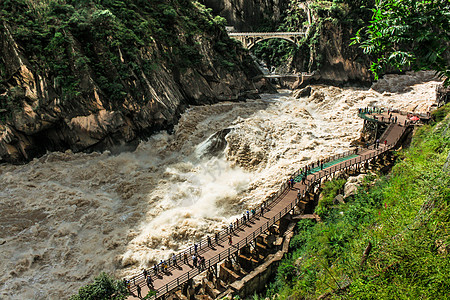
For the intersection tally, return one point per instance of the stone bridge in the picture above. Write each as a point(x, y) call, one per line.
point(250, 39)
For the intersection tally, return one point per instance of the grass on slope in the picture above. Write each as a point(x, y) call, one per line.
point(404, 219)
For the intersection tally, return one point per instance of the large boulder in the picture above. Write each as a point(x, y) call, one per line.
point(352, 184)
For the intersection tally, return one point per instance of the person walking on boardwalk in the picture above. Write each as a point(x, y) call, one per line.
point(298, 195)
point(230, 240)
point(216, 238)
point(149, 282)
point(291, 182)
point(155, 269)
point(385, 143)
point(262, 210)
point(377, 143)
point(194, 261)
point(248, 215)
point(231, 228)
point(144, 271)
point(138, 290)
point(304, 179)
point(203, 263)
point(185, 258)
point(209, 241)
point(195, 248)
point(174, 259)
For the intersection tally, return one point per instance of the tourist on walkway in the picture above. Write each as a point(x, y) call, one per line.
point(126, 283)
point(149, 282)
point(377, 143)
point(208, 238)
point(174, 260)
point(144, 271)
point(385, 142)
point(231, 228)
point(195, 248)
point(230, 240)
point(298, 195)
point(248, 215)
point(199, 263)
point(138, 289)
point(253, 212)
point(203, 263)
point(194, 261)
point(185, 258)
point(262, 210)
point(291, 182)
point(155, 269)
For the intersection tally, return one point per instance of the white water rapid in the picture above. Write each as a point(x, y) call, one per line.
point(66, 217)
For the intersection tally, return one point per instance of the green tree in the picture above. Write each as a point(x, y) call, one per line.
point(408, 33)
point(104, 287)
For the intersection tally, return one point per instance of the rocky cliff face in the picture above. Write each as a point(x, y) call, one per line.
point(82, 77)
point(248, 15)
point(332, 58)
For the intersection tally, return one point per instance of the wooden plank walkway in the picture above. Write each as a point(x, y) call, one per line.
point(266, 215)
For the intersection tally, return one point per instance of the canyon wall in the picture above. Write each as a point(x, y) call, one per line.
point(248, 15)
point(92, 77)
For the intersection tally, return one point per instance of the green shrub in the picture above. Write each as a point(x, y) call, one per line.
point(104, 287)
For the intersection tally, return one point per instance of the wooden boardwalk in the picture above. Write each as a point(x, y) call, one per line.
point(266, 215)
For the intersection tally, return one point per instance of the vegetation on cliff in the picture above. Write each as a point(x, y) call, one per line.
point(390, 241)
point(408, 34)
point(128, 66)
point(116, 40)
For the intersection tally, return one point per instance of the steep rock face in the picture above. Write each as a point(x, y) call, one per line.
point(248, 15)
point(88, 93)
point(331, 58)
point(342, 62)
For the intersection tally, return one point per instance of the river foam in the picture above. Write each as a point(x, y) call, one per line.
point(66, 217)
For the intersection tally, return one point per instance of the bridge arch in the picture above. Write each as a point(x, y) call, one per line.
point(253, 43)
point(250, 39)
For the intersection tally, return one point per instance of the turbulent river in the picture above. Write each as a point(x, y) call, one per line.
point(66, 217)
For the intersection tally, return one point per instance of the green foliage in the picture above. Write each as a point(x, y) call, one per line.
point(113, 42)
point(439, 114)
point(330, 190)
point(104, 287)
point(404, 216)
point(275, 52)
point(408, 33)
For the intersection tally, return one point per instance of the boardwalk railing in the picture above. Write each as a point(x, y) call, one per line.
point(270, 202)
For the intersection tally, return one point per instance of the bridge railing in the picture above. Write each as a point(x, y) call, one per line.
point(275, 33)
point(273, 199)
